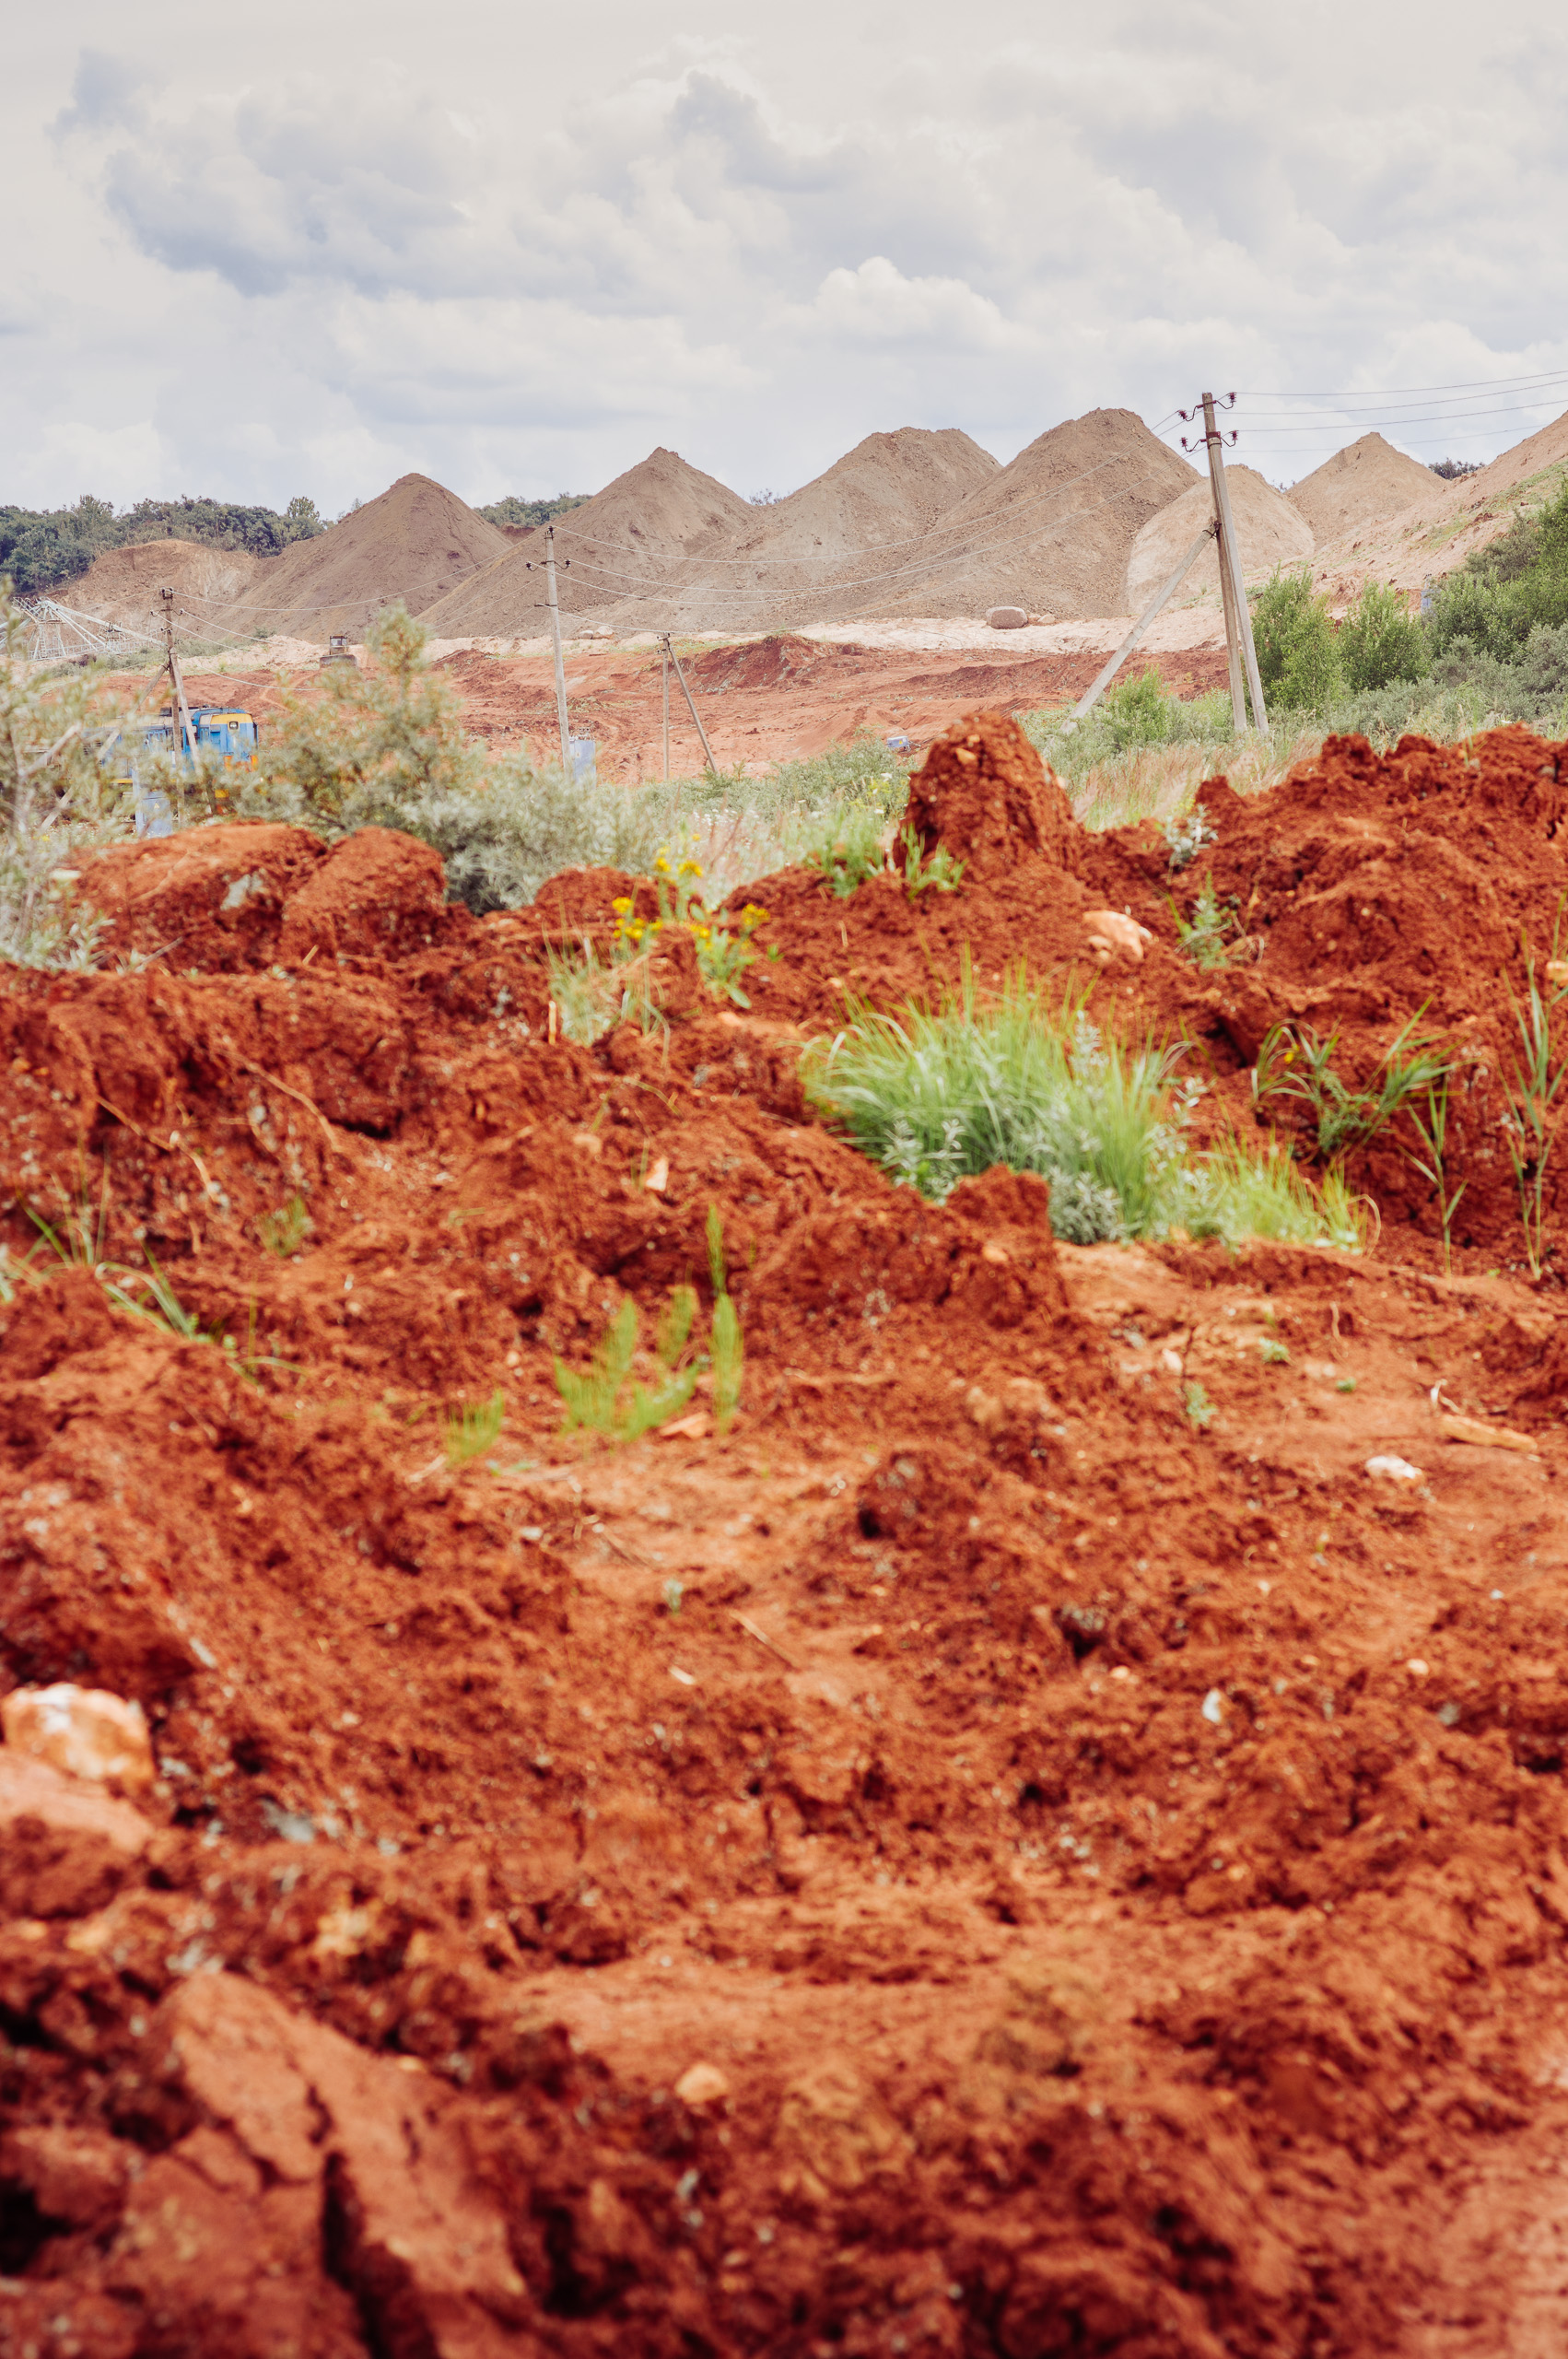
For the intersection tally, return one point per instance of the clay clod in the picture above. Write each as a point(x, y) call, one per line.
point(85, 1732)
point(985, 796)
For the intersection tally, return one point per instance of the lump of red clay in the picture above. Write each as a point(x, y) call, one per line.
point(984, 795)
point(85, 1732)
point(377, 894)
point(211, 898)
point(702, 2085)
point(1110, 933)
point(65, 1846)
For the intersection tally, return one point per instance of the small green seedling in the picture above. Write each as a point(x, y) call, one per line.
point(1346, 1384)
point(937, 871)
point(729, 1359)
point(285, 1231)
point(1199, 1410)
point(606, 1402)
point(1274, 1355)
point(718, 1269)
point(675, 1327)
point(1204, 936)
point(475, 1429)
point(674, 1592)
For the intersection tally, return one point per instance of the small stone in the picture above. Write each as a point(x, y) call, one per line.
point(1416, 1668)
point(85, 1732)
point(1395, 1470)
point(1007, 618)
point(657, 1178)
point(1214, 1707)
point(702, 2085)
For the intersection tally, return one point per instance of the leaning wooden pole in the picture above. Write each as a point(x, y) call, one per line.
point(706, 748)
point(1161, 598)
point(551, 602)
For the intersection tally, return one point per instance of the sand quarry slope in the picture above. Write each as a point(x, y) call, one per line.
point(1269, 532)
point(1052, 531)
point(1365, 483)
point(1448, 522)
point(415, 543)
point(633, 531)
point(829, 546)
point(973, 1862)
point(123, 586)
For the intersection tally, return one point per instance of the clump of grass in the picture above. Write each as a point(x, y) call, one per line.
point(592, 994)
point(1528, 1126)
point(729, 1356)
point(937, 1096)
point(850, 849)
point(474, 1428)
point(1294, 1062)
point(937, 871)
point(605, 1399)
point(284, 1232)
point(1185, 839)
point(1197, 1408)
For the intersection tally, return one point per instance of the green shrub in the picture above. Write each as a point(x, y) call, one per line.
point(57, 803)
point(849, 848)
point(1298, 659)
point(937, 1098)
point(1381, 641)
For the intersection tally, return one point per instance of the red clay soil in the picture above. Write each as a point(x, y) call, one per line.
point(761, 702)
point(1111, 1869)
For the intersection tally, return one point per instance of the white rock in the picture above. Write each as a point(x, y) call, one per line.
point(1395, 1470)
point(1007, 618)
point(85, 1732)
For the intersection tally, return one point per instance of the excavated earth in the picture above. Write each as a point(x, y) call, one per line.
point(761, 702)
point(967, 1861)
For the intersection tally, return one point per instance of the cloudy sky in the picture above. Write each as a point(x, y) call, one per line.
point(258, 252)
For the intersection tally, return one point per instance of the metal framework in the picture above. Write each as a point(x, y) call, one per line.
point(62, 634)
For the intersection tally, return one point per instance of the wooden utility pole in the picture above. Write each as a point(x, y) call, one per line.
point(171, 662)
point(550, 601)
point(1233, 591)
point(665, 653)
point(706, 748)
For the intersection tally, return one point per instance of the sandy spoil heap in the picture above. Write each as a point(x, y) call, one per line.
point(413, 543)
point(1363, 484)
point(121, 586)
point(1051, 531)
point(642, 525)
point(1270, 529)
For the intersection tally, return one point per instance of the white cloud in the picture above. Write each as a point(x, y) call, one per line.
point(519, 251)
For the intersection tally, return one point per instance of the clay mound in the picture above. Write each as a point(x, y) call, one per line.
point(227, 899)
point(1051, 532)
point(122, 585)
point(1364, 485)
point(984, 794)
point(413, 543)
point(649, 518)
point(1270, 529)
point(760, 663)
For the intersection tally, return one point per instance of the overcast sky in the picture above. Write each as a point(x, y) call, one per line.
point(257, 251)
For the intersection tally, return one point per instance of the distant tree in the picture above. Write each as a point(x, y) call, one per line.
point(1298, 657)
point(515, 511)
point(1381, 641)
point(1453, 470)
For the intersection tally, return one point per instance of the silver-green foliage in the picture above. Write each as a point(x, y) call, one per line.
point(58, 803)
point(938, 1096)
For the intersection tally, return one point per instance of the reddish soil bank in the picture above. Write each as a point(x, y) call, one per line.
point(762, 702)
point(1112, 1871)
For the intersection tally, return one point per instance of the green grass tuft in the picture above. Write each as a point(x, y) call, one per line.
point(474, 1429)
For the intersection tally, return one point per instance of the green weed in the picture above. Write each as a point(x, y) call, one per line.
point(474, 1429)
point(935, 1096)
point(1528, 1128)
point(607, 1400)
point(1196, 1407)
point(1205, 936)
point(936, 872)
point(850, 849)
point(284, 1232)
point(1294, 1062)
point(1185, 839)
point(1431, 1130)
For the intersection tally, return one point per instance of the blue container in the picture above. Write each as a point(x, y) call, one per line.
point(898, 743)
point(581, 750)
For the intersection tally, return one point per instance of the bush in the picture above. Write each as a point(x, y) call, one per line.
point(1381, 642)
point(935, 1099)
point(1518, 584)
point(1298, 657)
point(57, 802)
point(41, 548)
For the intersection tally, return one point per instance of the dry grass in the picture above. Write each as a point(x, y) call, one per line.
point(1159, 782)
